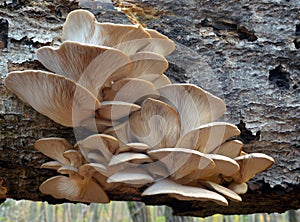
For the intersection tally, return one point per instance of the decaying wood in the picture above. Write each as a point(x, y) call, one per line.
point(244, 52)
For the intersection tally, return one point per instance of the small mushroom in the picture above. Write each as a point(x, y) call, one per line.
point(133, 176)
point(103, 143)
point(54, 148)
point(69, 170)
point(230, 149)
point(194, 105)
point(56, 97)
point(250, 165)
point(207, 137)
point(182, 192)
point(53, 165)
point(156, 124)
point(239, 188)
point(181, 162)
point(75, 158)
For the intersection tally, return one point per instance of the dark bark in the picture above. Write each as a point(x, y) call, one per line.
point(245, 52)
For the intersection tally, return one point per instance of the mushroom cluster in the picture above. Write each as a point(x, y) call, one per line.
point(109, 78)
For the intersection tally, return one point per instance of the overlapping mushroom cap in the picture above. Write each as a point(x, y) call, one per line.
point(151, 131)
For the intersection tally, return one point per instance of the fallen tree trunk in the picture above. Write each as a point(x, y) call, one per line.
point(245, 53)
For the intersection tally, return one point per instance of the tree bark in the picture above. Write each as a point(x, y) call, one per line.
point(246, 52)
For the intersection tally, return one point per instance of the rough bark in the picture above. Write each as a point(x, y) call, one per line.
point(246, 52)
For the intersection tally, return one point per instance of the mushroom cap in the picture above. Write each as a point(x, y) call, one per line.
point(224, 166)
point(53, 165)
point(130, 90)
point(82, 63)
point(250, 165)
point(129, 157)
point(103, 143)
point(230, 149)
point(133, 147)
point(180, 161)
point(182, 192)
point(134, 176)
point(56, 97)
point(54, 148)
point(144, 63)
point(157, 80)
point(75, 158)
point(239, 188)
point(222, 190)
point(80, 26)
point(115, 110)
point(159, 43)
point(207, 138)
point(156, 124)
point(70, 170)
point(74, 189)
point(194, 105)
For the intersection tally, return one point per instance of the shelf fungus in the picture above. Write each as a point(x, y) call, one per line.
point(147, 132)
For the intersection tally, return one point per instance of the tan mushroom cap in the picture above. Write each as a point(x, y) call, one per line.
point(129, 90)
point(74, 189)
point(56, 97)
point(105, 144)
point(129, 157)
point(156, 124)
point(81, 26)
point(160, 43)
point(157, 80)
point(121, 131)
point(209, 136)
point(222, 190)
point(230, 149)
point(134, 176)
point(194, 105)
point(133, 147)
point(54, 148)
point(82, 63)
point(181, 162)
point(75, 158)
point(70, 170)
point(96, 157)
point(250, 165)
point(144, 63)
point(239, 188)
point(53, 165)
point(115, 110)
point(182, 192)
point(224, 166)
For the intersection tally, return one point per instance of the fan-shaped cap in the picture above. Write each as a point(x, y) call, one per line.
point(144, 63)
point(181, 162)
point(103, 143)
point(75, 158)
point(239, 188)
point(208, 137)
point(57, 97)
point(53, 165)
point(195, 106)
point(250, 165)
point(230, 149)
point(130, 90)
point(182, 192)
point(134, 176)
point(75, 189)
point(54, 148)
point(159, 43)
point(222, 190)
point(156, 79)
point(115, 110)
point(80, 26)
point(129, 157)
point(133, 147)
point(90, 66)
point(156, 124)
